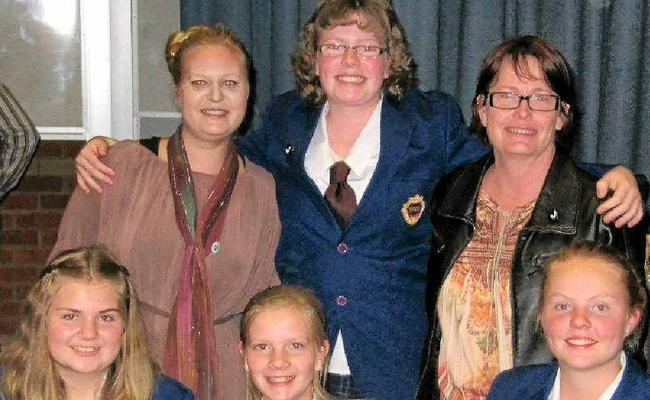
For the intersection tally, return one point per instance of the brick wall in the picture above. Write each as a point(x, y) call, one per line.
point(29, 218)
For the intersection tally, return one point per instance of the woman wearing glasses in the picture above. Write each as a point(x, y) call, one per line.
point(497, 222)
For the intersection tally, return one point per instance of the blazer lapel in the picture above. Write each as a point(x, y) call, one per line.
point(300, 130)
point(395, 129)
point(634, 383)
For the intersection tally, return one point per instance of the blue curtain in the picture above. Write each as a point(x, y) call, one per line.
point(607, 42)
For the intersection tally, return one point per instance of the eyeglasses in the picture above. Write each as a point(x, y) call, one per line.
point(536, 101)
point(363, 51)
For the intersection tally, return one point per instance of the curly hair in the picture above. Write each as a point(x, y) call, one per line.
point(368, 15)
point(29, 372)
point(287, 296)
point(555, 70)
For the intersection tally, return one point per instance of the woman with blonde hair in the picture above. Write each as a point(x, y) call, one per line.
point(196, 220)
point(82, 338)
point(284, 345)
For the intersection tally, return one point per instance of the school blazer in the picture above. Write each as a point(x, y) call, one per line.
point(371, 277)
point(167, 388)
point(535, 382)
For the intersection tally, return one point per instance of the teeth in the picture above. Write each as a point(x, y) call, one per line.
point(217, 113)
point(581, 342)
point(85, 349)
point(280, 379)
point(521, 131)
point(351, 79)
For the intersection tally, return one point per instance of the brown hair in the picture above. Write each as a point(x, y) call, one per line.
point(636, 290)
point(29, 372)
point(556, 73)
point(288, 296)
point(373, 15)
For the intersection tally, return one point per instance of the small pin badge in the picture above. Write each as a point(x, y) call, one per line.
point(288, 149)
point(413, 209)
point(216, 246)
point(554, 215)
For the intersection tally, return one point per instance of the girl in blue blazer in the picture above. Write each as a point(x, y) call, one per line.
point(592, 307)
point(81, 337)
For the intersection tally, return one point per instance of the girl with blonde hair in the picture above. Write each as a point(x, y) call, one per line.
point(284, 345)
point(82, 338)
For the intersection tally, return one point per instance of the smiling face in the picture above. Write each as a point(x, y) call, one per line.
point(281, 354)
point(348, 80)
point(586, 314)
point(212, 92)
point(521, 132)
point(84, 329)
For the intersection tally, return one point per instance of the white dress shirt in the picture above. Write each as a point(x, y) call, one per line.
point(607, 394)
point(362, 159)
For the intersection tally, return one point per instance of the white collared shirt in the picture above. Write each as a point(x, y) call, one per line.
point(362, 159)
point(607, 394)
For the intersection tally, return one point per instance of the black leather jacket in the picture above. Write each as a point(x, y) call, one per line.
point(565, 212)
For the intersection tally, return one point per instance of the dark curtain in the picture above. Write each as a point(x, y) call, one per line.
point(607, 42)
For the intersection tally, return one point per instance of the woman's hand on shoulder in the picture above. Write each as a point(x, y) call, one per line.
point(92, 173)
point(624, 206)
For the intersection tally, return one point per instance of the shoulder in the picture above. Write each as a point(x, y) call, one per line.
point(288, 102)
point(635, 382)
point(258, 176)
point(128, 150)
point(468, 176)
point(167, 388)
point(566, 167)
point(428, 104)
point(130, 159)
point(523, 381)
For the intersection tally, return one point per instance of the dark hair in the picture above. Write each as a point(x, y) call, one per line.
point(373, 15)
point(556, 73)
point(634, 286)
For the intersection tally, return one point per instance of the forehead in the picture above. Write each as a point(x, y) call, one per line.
point(280, 318)
point(222, 57)
point(80, 294)
point(524, 71)
point(591, 273)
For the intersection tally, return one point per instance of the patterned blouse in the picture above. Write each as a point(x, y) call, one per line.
point(474, 305)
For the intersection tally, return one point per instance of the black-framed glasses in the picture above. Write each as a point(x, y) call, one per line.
point(362, 50)
point(536, 101)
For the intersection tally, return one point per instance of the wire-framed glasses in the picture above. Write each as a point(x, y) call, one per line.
point(362, 50)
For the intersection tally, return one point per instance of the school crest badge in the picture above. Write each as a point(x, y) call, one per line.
point(413, 209)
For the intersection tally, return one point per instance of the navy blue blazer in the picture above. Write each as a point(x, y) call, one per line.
point(165, 388)
point(370, 277)
point(535, 382)
point(170, 389)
